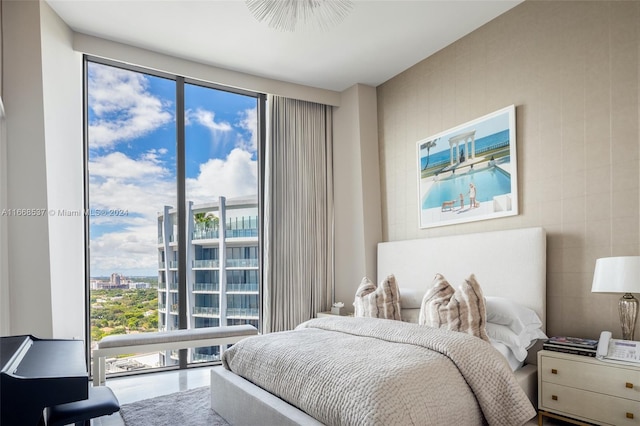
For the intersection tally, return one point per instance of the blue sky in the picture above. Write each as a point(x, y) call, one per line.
point(132, 159)
point(483, 127)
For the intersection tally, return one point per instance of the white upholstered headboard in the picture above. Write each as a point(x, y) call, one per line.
point(509, 263)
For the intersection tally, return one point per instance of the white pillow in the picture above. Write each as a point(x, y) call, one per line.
point(507, 353)
point(410, 298)
point(513, 341)
point(411, 315)
point(533, 334)
point(511, 314)
point(517, 343)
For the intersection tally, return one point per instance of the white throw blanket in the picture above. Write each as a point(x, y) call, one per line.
point(364, 371)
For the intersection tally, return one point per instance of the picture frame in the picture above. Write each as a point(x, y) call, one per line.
point(469, 172)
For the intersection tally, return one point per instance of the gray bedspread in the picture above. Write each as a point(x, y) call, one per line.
point(363, 371)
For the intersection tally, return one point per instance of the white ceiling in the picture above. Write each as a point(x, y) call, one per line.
point(378, 40)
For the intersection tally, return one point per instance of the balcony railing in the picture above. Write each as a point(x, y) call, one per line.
point(206, 311)
point(173, 264)
point(173, 287)
point(242, 233)
point(161, 265)
point(242, 227)
point(205, 357)
point(205, 234)
point(206, 263)
point(206, 287)
point(242, 263)
point(243, 287)
point(243, 312)
point(174, 309)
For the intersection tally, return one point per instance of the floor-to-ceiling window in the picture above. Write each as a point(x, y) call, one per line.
point(173, 207)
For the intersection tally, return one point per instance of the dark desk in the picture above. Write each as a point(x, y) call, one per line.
point(37, 373)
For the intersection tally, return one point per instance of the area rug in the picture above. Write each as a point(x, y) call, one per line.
point(187, 408)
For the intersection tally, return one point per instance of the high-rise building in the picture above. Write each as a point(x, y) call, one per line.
point(115, 280)
point(223, 274)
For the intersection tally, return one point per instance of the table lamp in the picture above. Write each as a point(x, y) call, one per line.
point(620, 275)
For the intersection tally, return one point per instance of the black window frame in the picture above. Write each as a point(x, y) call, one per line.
point(181, 81)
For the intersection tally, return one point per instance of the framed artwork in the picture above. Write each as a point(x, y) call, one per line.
point(469, 172)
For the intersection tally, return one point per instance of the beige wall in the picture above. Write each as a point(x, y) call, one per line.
point(41, 256)
point(27, 237)
point(62, 101)
point(356, 191)
point(572, 70)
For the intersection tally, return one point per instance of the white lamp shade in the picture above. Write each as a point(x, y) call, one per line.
point(617, 275)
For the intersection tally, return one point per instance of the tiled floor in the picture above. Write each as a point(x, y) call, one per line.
point(144, 386)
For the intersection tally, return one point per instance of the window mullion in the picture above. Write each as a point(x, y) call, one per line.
point(182, 214)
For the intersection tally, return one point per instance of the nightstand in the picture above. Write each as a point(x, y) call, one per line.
point(329, 314)
point(579, 389)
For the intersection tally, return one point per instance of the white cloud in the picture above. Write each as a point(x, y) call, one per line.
point(124, 108)
point(234, 176)
point(118, 165)
point(132, 251)
point(139, 188)
point(142, 200)
point(208, 120)
point(249, 122)
point(221, 131)
point(142, 187)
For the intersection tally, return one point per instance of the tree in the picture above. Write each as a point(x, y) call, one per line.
point(429, 145)
point(208, 220)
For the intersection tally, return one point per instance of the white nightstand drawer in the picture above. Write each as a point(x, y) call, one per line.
point(593, 375)
point(591, 406)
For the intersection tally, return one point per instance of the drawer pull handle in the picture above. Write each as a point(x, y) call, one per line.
point(629, 415)
point(555, 398)
point(629, 385)
point(554, 371)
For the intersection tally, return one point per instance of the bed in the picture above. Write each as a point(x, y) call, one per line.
point(508, 264)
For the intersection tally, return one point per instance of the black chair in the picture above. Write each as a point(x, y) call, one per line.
point(101, 402)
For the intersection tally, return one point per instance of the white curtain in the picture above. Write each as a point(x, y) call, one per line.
point(298, 222)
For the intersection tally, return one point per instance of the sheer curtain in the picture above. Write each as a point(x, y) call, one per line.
point(298, 223)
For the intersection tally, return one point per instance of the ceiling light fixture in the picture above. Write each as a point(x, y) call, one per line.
point(286, 15)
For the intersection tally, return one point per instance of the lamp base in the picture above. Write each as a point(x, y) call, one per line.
point(628, 309)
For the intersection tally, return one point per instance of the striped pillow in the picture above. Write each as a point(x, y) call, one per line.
point(458, 310)
point(378, 302)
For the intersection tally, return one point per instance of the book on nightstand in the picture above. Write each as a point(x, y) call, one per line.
point(571, 345)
